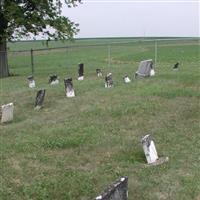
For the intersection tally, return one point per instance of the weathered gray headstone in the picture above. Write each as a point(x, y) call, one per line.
point(6, 113)
point(39, 99)
point(145, 69)
point(53, 79)
point(150, 151)
point(80, 71)
point(108, 81)
point(116, 191)
point(99, 73)
point(126, 79)
point(69, 90)
point(31, 82)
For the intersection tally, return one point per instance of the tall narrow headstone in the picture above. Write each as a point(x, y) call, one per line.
point(53, 80)
point(149, 149)
point(126, 79)
point(108, 80)
point(99, 73)
point(6, 113)
point(31, 82)
point(80, 71)
point(69, 90)
point(116, 191)
point(39, 99)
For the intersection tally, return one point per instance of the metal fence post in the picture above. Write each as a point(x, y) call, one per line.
point(109, 56)
point(32, 62)
point(156, 52)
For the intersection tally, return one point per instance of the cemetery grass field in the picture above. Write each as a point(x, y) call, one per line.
point(74, 148)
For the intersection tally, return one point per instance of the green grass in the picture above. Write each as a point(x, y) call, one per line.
point(74, 148)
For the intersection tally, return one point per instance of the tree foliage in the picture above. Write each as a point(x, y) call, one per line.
point(22, 18)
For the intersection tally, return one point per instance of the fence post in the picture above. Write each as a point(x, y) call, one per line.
point(156, 52)
point(109, 56)
point(32, 62)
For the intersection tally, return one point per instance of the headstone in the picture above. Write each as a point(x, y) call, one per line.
point(149, 149)
point(99, 73)
point(145, 69)
point(152, 72)
point(108, 81)
point(53, 80)
point(69, 90)
point(6, 113)
point(126, 79)
point(80, 71)
point(176, 66)
point(39, 99)
point(31, 82)
point(116, 191)
point(151, 153)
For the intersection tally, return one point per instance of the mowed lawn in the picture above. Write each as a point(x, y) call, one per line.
point(74, 147)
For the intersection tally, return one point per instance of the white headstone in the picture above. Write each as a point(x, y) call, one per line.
point(31, 82)
point(149, 149)
point(127, 79)
point(80, 78)
point(54, 82)
point(152, 72)
point(7, 112)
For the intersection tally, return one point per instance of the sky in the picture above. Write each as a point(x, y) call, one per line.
point(134, 18)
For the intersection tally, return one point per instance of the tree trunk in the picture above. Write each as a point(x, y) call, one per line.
point(4, 72)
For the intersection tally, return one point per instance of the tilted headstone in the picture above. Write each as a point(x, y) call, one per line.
point(53, 79)
point(6, 113)
point(176, 66)
point(31, 82)
point(151, 153)
point(69, 90)
point(99, 73)
point(80, 71)
point(145, 69)
point(108, 81)
point(149, 149)
point(126, 79)
point(39, 99)
point(116, 191)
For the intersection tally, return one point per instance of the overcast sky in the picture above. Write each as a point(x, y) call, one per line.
point(131, 18)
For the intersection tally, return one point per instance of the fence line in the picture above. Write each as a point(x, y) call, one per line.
point(27, 57)
point(103, 44)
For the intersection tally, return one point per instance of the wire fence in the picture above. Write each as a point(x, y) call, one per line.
point(105, 55)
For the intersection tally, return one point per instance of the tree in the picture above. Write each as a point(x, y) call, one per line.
point(22, 18)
